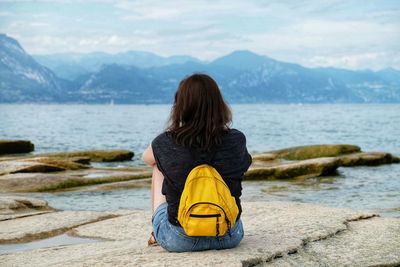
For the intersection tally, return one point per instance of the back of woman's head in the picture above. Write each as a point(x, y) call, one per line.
point(199, 116)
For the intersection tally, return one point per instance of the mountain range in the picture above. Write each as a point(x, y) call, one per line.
point(143, 77)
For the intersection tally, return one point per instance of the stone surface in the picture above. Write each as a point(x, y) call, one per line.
point(35, 182)
point(95, 155)
point(373, 242)
point(272, 230)
point(17, 166)
point(295, 169)
point(46, 225)
point(136, 183)
point(15, 146)
point(12, 207)
point(264, 156)
point(19, 202)
point(367, 158)
point(73, 163)
point(315, 151)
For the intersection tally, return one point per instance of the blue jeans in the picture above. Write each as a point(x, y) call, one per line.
point(174, 239)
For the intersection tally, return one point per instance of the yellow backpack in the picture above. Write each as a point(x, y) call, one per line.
point(206, 206)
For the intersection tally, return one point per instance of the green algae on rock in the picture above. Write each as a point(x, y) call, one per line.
point(367, 159)
point(95, 155)
point(296, 169)
point(265, 156)
point(315, 151)
point(15, 146)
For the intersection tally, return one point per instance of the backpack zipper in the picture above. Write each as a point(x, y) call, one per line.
point(204, 215)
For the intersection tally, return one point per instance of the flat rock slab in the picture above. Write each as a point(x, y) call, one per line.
point(12, 207)
point(40, 182)
point(17, 166)
point(372, 242)
point(315, 151)
point(367, 159)
point(294, 169)
point(15, 146)
point(45, 225)
point(136, 183)
point(265, 156)
point(19, 202)
point(95, 155)
point(272, 230)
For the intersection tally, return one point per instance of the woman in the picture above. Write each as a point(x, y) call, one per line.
point(198, 130)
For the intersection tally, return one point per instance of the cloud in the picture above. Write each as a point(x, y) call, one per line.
point(375, 61)
point(350, 34)
point(6, 14)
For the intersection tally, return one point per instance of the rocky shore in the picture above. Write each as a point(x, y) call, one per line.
point(276, 233)
point(72, 170)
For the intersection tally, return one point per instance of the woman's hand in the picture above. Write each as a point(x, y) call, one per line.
point(148, 156)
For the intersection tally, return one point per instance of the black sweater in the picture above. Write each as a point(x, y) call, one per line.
point(231, 159)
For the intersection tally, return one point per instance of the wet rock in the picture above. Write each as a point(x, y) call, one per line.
point(17, 166)
point(15, 146)
point(264, 156)
point(95, 155)
point(40, 182)
point(12, 207)
point(272, 230)
point(367, 158)
point(73, 163)
point(46, 225)
point(315, 151)
point(136, 183)
point(41, 164)
point(297, 169)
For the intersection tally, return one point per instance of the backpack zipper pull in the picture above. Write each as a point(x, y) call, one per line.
point(229, 227)
point(217, 231)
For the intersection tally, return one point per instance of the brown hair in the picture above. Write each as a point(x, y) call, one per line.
point(199, 115)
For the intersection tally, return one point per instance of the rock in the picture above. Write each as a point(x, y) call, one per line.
point(95, 155)
point(17, 166)
point(315, 151)
point(297, 169)
point(39, 182)
point(12, 207)
point(136, 183)
point(373, 242)
point(272, 230)
point(264, 156)
point(46, 225)
point(15, 146)
point(367, 158)
point(41, 164)
point(73, 163)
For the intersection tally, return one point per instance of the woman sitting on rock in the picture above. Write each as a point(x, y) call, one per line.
point(198, 133)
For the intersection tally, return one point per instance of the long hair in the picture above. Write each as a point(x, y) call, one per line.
point(199, 115)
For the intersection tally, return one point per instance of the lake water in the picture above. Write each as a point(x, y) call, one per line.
point(374, 127)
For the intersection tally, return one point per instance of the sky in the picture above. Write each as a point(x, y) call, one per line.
point(352, 34)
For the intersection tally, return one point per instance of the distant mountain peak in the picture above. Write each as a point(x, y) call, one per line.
point(242, 59)
point(7, 42)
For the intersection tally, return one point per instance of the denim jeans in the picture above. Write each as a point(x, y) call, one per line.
point(174, 239)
